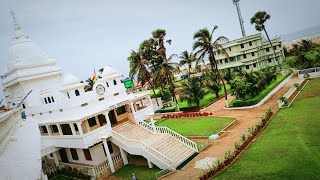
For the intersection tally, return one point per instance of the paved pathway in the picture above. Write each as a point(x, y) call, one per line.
point(245, 118)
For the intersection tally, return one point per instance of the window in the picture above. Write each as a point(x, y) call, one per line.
point(242, 46)
point(43, 129)
point(221, 61)
point(23, 106)
point(252, 54)
point(267, 49)
point(247, 67)
point(279, 45)
point(49, 99)
point(74, 154)
point(244, 56)
point(75, 127)
point(54, 128)
point(110, 148)
point(68, 95)
point(77, 92)
point(229, 48)
point(92, 121)
point(250, 43)
point(102, 119)
point(66, 129)
point(121, 110)
point(116, 94)
point(45, 100)
point(87, 154)
point(254, 65)
point(52, 99)
point(114, 82)
point(107, 84)
point(226, 60)
point(269, 60)
point(274, 47)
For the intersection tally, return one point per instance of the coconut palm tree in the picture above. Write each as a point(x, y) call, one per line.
point(89, 85)
point(212, 82)
point(187, 58)
point(205, 46)
point(194, 91)
point(165, 74)
point(138, 68)
point(259, 19)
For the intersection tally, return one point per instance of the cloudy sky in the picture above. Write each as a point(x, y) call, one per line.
point(82, 35)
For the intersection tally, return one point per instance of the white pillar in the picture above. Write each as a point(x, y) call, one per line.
point(123, 156)
point(79, 128)
point(106, 114)
point(59, 129)
point(72, 129)
point(132, 107)
point(55, 158)
point(108, 155)
point(49, 130)
point(150, 101)
point(150, 164)
point(153, 125)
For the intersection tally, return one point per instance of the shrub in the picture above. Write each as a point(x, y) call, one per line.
point(306, 75)
point(237, 146)
point(284, 100)
point(243, 138)
point(228, 156)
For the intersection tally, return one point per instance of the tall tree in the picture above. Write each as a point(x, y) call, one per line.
point(187, 58)
point(259, 19)
point(194, 91)
point(205, 46)
point(212, 82)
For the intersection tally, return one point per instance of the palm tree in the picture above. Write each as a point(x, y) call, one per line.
point(89, 85)
point(305, 45)
point(194, 91)
point(205, 45)
point(212, 82)
point(165, 74)
point(187, 58)
point(259, 20)
point(138, 68)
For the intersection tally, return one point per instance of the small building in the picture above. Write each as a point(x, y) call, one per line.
point(250, 53)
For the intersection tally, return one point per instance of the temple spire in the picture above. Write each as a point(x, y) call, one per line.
point(17, 28)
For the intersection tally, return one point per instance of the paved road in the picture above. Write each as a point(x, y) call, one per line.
point(245, 118)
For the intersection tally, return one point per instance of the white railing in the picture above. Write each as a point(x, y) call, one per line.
point(105, 164)
point(142, 114)
point(168, 131)
point(141, 145)
point(313, 72)
point(49, 169)
point(290, 92)
point(164, 172)
point(77, 141)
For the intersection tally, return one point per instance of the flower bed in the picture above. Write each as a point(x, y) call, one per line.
point(186, 114)
point(245, 141)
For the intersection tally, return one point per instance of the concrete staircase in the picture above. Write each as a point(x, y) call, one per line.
point(166, 145)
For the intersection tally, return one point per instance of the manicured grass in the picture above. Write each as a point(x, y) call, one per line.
point(141, 172)
point(289, 146)
point(196, 126)
point(262, 94)
point(208, 98)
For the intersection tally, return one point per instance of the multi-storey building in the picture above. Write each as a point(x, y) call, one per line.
point(250, 53)
point(94, 131)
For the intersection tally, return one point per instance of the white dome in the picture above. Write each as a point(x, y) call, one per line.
point(108, 71)
point(69, 79)
point(24, 51)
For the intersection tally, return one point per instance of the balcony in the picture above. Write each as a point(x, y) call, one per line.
point(77, 141)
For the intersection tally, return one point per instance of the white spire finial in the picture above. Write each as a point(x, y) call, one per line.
point(16, 26)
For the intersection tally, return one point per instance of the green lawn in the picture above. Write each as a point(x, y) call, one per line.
point(142, 172)
point(289, 146)
point(196, 126)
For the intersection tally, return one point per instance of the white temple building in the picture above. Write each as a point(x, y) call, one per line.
point(94, 131)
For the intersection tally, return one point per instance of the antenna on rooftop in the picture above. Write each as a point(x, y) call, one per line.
point(236, 2)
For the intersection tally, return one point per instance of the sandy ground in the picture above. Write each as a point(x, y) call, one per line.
point(315, 40)
point(245, 118)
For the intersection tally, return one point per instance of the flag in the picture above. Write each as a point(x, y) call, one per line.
point(94, 77)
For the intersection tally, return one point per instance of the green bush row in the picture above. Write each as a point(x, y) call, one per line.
point(264, 93)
